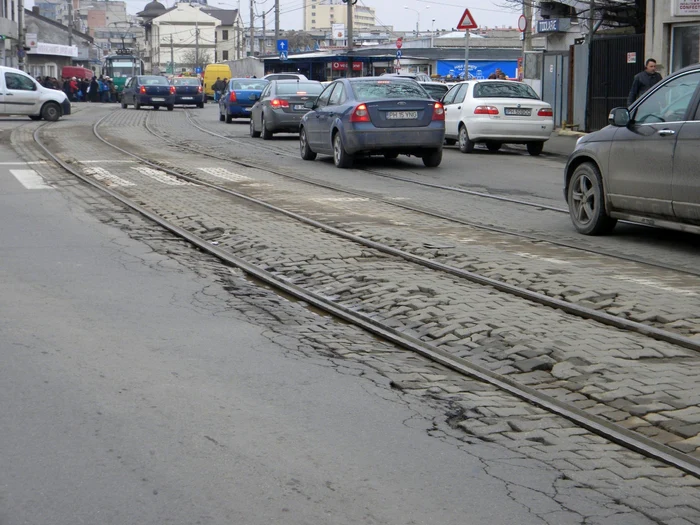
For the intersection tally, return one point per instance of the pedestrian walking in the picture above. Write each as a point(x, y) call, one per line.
point(644, 81)
point(94, 90)
point(217, 89)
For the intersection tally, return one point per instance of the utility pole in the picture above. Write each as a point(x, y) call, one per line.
point(252, 28)
point(263, 35)
point(527, 34)
point(350, 37)
point(591, 17)
point(277, 21)
point(20, 35)
point(196, 45)
point(70, 22)
point(172, 56)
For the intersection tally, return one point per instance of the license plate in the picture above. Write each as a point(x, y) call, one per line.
point(402, 115)
point(299, 107)
point(187, 98)
point(518, 112)
point(158, 99)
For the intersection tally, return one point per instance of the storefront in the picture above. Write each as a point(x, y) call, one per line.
point(673, 36)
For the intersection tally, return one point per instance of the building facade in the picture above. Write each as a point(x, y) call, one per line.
point(229, 41)
point(8, 29)
point(322, 14)
point(673, 33)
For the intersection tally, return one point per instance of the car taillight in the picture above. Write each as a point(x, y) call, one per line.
point(199, 89)
point(438, 111)
point(232, 97)
point(172, 90)
point(278, 103)
point(360, 114)
point(486, 110)
point(143, 90)
point(545, 112)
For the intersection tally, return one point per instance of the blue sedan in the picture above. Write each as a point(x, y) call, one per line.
point(373, 116)
point(239, 97)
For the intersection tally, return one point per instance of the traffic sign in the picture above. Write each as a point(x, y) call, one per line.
point(467, 21)
point(198, 70)
point(522, 23)
point(283, 45)
point(284, 55)
point(399, 43)
point(399, 54)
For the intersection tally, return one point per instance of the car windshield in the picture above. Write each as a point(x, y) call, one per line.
point(154, 81)
point(299, 88)
point(248, 85)
point(185, 82)
point(385, 88)
point(436, 91)
point(504, 90)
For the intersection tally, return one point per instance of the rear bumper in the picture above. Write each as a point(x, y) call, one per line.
point(189, 99)
point(236, 110)
point(402, 139)
point(281, 121)
point(65, 107)
point(509, 130)
point(156, 100)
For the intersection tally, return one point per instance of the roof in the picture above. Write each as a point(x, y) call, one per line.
point(433, 53)
point(227, 16)
point(31, 14)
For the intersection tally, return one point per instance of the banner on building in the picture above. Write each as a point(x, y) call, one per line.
point(343, 66)
point(338, 31)
point(686, 7)
point(31, 40)
point(43, 48)
point(478, 69)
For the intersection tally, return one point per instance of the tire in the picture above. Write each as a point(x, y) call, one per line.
point(137, 106)
point(535, 148)
point(35, 117)
point(341, 158)
point(221, 116)
point(229, 118)
point(465, 143)
point(264, 133)
point(156, 108)
point(493, 147)
point(586, 198)
point(253, 133)
point(433, 158)
point(51, 112)
point(391, 156)
point(124, 105)
point(450, 142)
point(304, 149)
point(171, 107)
point(200, 105)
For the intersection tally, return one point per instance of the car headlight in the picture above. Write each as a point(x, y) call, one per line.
point(579, 141)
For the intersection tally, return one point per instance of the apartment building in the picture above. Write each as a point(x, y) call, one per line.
point(8, 29)
point(322, 14)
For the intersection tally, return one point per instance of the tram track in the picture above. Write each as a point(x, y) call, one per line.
point(596, 424)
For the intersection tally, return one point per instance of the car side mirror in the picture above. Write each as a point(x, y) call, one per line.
point(619, 117)
point(310, 104)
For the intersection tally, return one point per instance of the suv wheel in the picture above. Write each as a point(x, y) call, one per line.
point(586, 199)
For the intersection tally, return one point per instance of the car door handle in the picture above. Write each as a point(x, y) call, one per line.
point(460, 107)
point(666, 132)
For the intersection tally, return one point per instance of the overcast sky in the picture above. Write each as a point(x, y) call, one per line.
point(389, 12)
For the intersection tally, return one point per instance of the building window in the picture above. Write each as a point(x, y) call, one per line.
point(224, 55)
point(686, 46)
point(224, 34)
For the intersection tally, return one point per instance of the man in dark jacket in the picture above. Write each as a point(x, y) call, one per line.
point(644, 81)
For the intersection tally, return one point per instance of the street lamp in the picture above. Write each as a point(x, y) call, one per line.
point(417, 11)
point(432, 33)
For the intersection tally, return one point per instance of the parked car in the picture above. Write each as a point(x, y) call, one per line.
point(643, 167)
point(239, 97)
point(418, 77)
point(284, 76)
point(495, 112)
point(387, 116)
point(281, 107)
point(20, 94)
point(436, 90)
point(188, 91)
point(148, 90)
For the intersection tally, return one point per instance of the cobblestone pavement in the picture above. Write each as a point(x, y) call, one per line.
point(559, 473)
point(502, 174)
point(603, 370)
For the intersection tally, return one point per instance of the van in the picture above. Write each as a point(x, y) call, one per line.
point(211, 72)
point(20, 94)
point(77, 72)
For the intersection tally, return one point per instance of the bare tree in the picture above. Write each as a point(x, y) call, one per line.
point(300, 40)
point(189, 58)
point(606, 13)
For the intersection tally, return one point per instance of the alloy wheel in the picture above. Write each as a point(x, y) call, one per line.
point(584, 199)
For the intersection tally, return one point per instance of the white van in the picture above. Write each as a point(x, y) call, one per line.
point(20, 94)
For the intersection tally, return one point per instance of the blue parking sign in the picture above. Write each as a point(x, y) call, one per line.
point(198, 70)
point(283, 45)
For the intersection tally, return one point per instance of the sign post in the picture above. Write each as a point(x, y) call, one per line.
point(466, 22)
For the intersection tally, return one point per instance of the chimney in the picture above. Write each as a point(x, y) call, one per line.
point(35, 10)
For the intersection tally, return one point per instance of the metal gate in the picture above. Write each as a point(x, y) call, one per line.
point(555, 84)
point(614, 60)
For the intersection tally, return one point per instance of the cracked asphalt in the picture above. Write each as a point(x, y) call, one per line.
point(149, 383)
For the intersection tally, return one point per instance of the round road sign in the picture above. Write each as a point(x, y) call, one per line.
point(399, 43)
point(522, 23)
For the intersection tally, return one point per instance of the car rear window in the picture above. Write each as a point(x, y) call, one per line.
point(283, 77)
point(295, 88)
point(249, 85)
point(504, 90)
point(154, 81)
point(437, 92)
point(185, 82)
point(385, 88)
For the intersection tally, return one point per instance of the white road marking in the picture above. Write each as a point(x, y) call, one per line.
point(225, 174)
point(547, 259)
point(20, 163)
point(161, 176)
point(30, 179)
point(656, 284)
point(103, 175)
point(122, 161)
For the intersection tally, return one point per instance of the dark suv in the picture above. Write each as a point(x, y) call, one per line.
point(643, 167)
